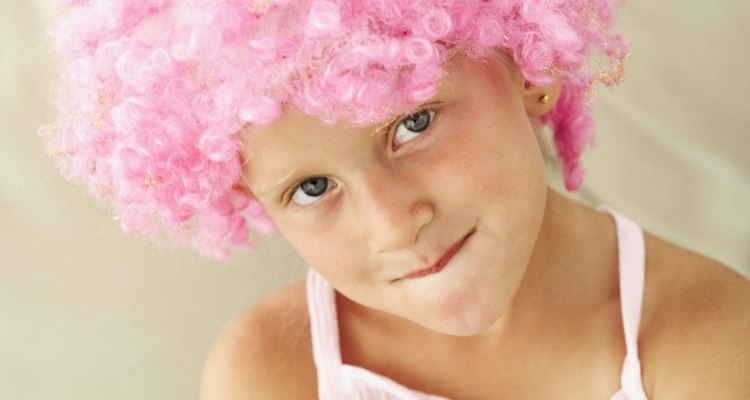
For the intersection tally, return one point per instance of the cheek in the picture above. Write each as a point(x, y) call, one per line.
point(492, 158)
point(324, 246)
point(496, 170)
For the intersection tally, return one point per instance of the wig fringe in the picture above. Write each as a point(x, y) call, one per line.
point(154, 93)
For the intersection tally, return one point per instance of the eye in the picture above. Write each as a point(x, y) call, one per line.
point(311, 189)
point(412, 126)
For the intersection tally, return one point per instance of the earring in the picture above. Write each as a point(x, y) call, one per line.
point(544, 99)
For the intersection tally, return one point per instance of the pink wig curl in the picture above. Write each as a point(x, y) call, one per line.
point(153, 93)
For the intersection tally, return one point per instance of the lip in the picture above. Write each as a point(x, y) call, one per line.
point(441, 262)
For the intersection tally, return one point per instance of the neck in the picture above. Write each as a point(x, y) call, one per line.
point(575, 252)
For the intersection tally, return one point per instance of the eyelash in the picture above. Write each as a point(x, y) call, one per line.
point(391, 128)
point(396, 123)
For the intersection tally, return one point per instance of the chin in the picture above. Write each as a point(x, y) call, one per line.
point(465, 328)
point(477, 326)
point(464, 318)
point(469, 295)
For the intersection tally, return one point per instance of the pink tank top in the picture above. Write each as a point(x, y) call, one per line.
point(339, 381)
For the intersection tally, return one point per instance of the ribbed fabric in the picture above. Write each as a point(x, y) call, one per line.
point(632, 259)
point(338, 381)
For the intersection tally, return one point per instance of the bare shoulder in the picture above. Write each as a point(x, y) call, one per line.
point(264, 353)
point(695, 336)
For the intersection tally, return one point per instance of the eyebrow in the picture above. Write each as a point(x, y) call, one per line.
point(385, 125)
point(285, 181)
point(282, 183)
point(275, 188)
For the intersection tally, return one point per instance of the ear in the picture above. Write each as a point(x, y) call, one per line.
point(540, 100)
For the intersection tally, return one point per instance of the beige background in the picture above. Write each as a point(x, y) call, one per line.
point(88, 313)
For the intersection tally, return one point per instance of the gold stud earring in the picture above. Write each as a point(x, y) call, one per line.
point(544, 99)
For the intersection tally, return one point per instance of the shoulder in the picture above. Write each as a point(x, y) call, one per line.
point(696, 326)
point(264, 353)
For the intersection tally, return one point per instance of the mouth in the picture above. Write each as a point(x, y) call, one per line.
point(441, 262)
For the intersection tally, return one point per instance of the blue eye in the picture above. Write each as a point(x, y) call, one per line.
point(412, 126)
point(311, 189)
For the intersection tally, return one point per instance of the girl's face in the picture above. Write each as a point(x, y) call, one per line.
point(461, 179)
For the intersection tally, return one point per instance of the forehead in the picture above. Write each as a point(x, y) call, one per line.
point(300, 144)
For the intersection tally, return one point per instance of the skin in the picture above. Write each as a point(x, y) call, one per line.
point(483, 323)
point(476, 168)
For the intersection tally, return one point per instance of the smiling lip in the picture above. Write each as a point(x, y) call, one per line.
point(440, 263)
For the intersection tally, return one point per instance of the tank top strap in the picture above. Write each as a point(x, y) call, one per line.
point(324, 333)
point(632, 263)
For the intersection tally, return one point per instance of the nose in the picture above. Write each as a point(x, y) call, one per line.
point(393, 210)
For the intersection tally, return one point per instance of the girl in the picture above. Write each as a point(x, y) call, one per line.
point(396, 145)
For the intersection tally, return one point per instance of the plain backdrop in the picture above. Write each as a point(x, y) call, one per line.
point(87, 312)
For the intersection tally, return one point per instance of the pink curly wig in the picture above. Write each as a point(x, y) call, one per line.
point(154, 93)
